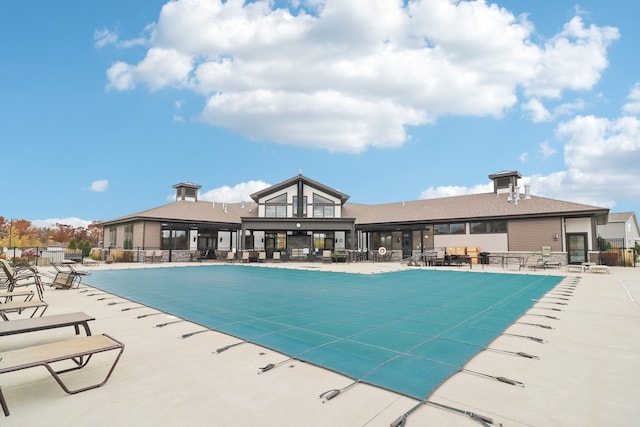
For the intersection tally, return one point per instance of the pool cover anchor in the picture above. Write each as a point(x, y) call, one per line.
point(535, 324)
point(133, 308)
point(142, 316)
point(482, 419)
point(162, 325)
point(190, 334)
point(227, 347)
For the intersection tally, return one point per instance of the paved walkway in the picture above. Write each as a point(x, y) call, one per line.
point(586, 370)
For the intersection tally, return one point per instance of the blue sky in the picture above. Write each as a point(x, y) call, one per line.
point(107, 104)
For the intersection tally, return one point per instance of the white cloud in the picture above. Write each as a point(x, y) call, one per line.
point(455, 190)
point(538, 113)
point(99, 185)
point(633, 106)
point(51, 222)
point(601, 156)
point(238, 193)
point(104, 37)
point(523, 157)
point(546, 150)
point(343, 77)
point(536, 110)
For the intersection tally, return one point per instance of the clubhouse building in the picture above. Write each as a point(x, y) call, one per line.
point(300, 219)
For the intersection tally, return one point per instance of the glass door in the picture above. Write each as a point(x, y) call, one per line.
point(577, 247)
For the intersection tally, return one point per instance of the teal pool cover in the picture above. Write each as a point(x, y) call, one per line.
point(405, 331)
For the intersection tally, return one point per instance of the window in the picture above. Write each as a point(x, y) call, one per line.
point(276, 207)
point(323, 241)
point(488, 227)
point(295, 206)
point(128, 236)
point(323, 207)
point(382, 239)
point(174, 239)
point(454, 228)
point(112, 237)
point(457, 228)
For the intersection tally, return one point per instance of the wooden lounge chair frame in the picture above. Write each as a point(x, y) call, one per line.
point(34, 324)
point(77, 350)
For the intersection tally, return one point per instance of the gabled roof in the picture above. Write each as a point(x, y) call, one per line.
point(447, 209)
point(293, 181)
point(620, 216)
point(472, 206)
point(190, 211)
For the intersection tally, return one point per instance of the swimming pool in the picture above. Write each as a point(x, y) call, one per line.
point(405, 331)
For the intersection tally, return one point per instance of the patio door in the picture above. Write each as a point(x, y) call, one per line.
point(577, 247)
point(407, 244)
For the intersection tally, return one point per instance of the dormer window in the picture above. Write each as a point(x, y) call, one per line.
point(323, 207)
point(276, 207)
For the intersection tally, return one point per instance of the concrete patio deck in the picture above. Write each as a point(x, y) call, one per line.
point(587, 370)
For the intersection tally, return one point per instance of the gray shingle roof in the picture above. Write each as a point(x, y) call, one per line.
point(473, 206)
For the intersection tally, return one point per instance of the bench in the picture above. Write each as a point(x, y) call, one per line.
point(576, 267)
point(20, 306)
point(34, 324)
point(77, 350)
point(599, 269)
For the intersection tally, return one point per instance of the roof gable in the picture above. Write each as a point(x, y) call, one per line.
point(294, 181)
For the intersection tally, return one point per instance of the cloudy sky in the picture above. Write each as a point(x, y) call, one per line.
point(107, 104)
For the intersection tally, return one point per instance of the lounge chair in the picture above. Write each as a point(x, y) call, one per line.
point(34, 324)
point(326, 256)
point(276, 257)
point(262, 256)
point(548, 259)
point(22, 277)
point(8, 296)
point(231, 256)
point(74, 275)
point(534, 263)
point(63, 281)
point(20, 306)
point(245, 256)
point(440, 258)
point(77, 350)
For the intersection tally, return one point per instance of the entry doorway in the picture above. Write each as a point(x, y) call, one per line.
point(577, 246)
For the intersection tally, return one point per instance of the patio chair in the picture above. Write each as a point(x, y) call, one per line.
point(548, 259)
point(440, 258)
point(326, 256)
point(231, 256)
point(74, 275)
point(276, 257)
point(262, 257)
point(20, 306)
point(78, 350)
point(245, 256)
point(534, 263)
point(21, 277)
